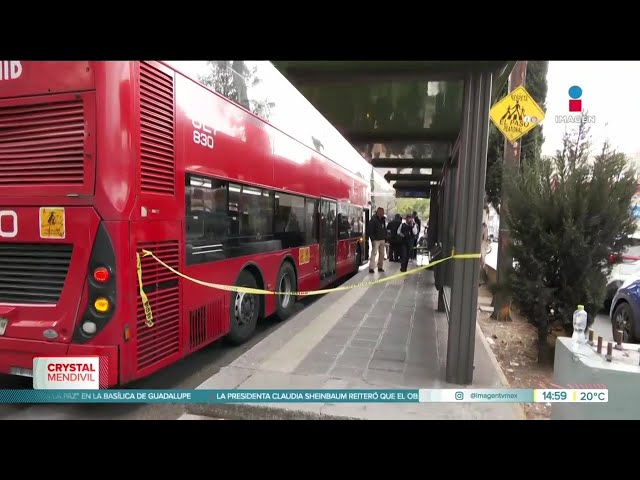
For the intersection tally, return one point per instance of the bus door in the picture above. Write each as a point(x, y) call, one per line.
point(367, 217)
point(328, 239)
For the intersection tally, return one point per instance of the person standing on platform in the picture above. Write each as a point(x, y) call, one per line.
point(418, 222)
point(386, 239)
point(377, 234)
point(408, 233)
point(394, 240)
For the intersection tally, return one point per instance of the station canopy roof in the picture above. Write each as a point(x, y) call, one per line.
point(403, 115)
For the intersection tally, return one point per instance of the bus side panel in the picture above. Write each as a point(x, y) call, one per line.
point(156, 345)
point(295, 169)
point(23, 78)
point(117, 134)
point(308, 273)
point(205, 310)
point(154, 134)
point(342, 254)
point(346, 256)
point(216, 138)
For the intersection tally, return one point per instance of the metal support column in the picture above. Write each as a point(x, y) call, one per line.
point(433, 237)
point(449, 222)
point(440, 269)
point(447, 190)
point(472, 164)
point(433, 225)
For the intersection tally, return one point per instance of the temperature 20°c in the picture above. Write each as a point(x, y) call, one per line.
point(202, 134)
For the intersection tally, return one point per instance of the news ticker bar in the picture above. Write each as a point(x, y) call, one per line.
point(306, 396)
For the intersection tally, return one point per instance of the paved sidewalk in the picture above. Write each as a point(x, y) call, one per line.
point(385, 336)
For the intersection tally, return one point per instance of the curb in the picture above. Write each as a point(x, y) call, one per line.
point(503, 378)
point(243, 411)
point(189, 416)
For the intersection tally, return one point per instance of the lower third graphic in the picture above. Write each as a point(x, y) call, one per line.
point(70, 373)
point(459, 395)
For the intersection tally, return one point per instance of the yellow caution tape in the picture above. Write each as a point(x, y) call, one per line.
point(145, 300)
point(257, 291)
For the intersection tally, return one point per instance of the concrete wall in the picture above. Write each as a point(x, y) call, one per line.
point(587, 368)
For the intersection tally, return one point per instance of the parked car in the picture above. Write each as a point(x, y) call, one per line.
point(625, 311)
point(628, 269)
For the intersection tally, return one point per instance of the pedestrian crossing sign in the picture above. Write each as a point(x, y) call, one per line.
point(52, 222)
point(516, 114)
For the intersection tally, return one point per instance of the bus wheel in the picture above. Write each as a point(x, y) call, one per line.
point(286, 282)
point(244, 310)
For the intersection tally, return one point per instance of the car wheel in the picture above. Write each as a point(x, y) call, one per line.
point(622, 319)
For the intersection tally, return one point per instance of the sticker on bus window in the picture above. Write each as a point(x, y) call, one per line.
point(52, 222)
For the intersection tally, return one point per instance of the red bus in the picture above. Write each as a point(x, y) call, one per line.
point(100, 160)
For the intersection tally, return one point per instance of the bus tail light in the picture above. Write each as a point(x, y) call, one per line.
point(89, 328)
point(101, 289)
point(101, 305)
point(101, 275)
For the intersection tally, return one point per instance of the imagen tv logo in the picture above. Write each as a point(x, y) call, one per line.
point(70, 373)
point(576, 110)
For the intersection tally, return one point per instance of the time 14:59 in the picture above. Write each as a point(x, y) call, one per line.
point(554, 396)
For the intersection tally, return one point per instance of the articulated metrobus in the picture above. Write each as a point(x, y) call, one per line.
point(226, 174)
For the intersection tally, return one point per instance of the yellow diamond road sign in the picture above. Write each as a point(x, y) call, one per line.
point(516, 114)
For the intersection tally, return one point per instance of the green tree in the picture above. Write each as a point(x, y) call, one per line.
point(234, 79)
point(536, 85)
point(567, 215)
point(531, 147)
point(405, 206)
point(389, 204)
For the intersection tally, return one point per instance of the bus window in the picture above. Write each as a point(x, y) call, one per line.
point(344, 225)
point(311, 220)
point(355, 219)
point(251, 213)
point(289, 220)
point(205, 218)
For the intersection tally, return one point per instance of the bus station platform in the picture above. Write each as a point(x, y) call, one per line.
point(386, 336)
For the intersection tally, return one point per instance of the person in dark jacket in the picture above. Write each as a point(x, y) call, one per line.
point(418, 222)
point(377, 234)
point(408, 233)
point(394, 240)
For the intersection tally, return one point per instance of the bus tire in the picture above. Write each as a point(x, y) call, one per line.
point(244, 310)
point(286, 282)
